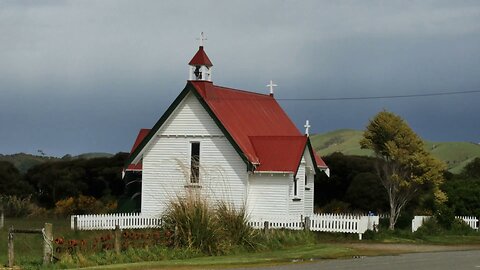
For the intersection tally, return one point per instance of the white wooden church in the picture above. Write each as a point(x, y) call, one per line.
point(228, 144)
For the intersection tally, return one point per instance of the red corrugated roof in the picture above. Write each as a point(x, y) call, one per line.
point(141, 135)
point(259, 126)
point(319, 161)
point(279, 153)
point(200, 59)
point(256, 123)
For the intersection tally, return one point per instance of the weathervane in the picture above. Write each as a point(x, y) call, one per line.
point(202, 39)
point(271, 85)
point(307, 127)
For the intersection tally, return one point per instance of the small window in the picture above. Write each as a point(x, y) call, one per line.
point(194, 162)
point(295, 186)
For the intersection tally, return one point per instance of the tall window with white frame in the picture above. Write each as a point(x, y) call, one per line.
point(306, 179)
point(194, 162)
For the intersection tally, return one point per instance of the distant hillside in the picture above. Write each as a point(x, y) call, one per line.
point(455, 154)
point(23, 161)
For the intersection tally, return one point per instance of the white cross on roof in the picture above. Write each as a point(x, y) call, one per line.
point(202, 38)
point(271, 85)
point(307, 127)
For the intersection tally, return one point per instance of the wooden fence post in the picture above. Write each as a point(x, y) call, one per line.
point(117, 239)
point(10, 247)
point(75, 223)
point(265, 226)
point(48, 243)
point(2, 219)
point(175, 237)
point(307, 224)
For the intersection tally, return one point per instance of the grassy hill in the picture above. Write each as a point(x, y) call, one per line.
point(23, 161)
point(455, 154)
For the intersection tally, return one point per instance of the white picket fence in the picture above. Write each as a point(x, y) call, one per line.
point(109, 221)
point(277, 222)
point(343, 223)
point(418, 221)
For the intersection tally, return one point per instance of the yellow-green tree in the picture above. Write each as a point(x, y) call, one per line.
point(404, 166)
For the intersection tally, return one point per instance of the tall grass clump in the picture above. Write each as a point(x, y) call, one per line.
point(211, 229)
point(234, 227)
point(192, 220)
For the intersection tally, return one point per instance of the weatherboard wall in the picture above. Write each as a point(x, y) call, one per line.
point(296, 202)
point(166, 161)
point(267, 194)
point(309, 188)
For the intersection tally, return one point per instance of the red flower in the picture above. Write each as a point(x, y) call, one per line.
point(59, 241)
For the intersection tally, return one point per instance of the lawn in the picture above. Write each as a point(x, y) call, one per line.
point(29, 248)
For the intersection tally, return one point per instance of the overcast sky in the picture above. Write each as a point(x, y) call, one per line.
point(85, 76)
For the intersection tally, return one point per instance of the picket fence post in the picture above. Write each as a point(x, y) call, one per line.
point(307, 223)
point(118, 239)
point(75, 223)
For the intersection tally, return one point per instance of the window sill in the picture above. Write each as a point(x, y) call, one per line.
point(192, 186)
point(296, 199)
point(307, 188)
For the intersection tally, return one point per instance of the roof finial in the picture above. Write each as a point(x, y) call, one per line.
point(271, 85)
point(307, 128)
point(202, 38)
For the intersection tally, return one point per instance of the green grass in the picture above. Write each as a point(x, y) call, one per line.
point(307, 252)
point(345, 141)
point(455, 154)
point(279, 246)
point(29, 247)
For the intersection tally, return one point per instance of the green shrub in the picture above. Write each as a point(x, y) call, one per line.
point(445, 216)
point(83, 205)
point(14, 206)
point(432, 227)
point(459, 227)
point(336, 206)
point(428, 228)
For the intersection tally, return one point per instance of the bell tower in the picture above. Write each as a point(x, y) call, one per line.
point(200, 67)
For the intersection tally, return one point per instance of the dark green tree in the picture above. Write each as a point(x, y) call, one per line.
point(347, 183)
point(96, 177)
point(12, 182)
point(472, 170)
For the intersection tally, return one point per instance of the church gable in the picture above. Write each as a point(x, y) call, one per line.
point(189, 119)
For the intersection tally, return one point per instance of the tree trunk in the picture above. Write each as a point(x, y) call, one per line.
point(392, 218)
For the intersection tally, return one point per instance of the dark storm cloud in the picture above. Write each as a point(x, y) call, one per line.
point(79, 76)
